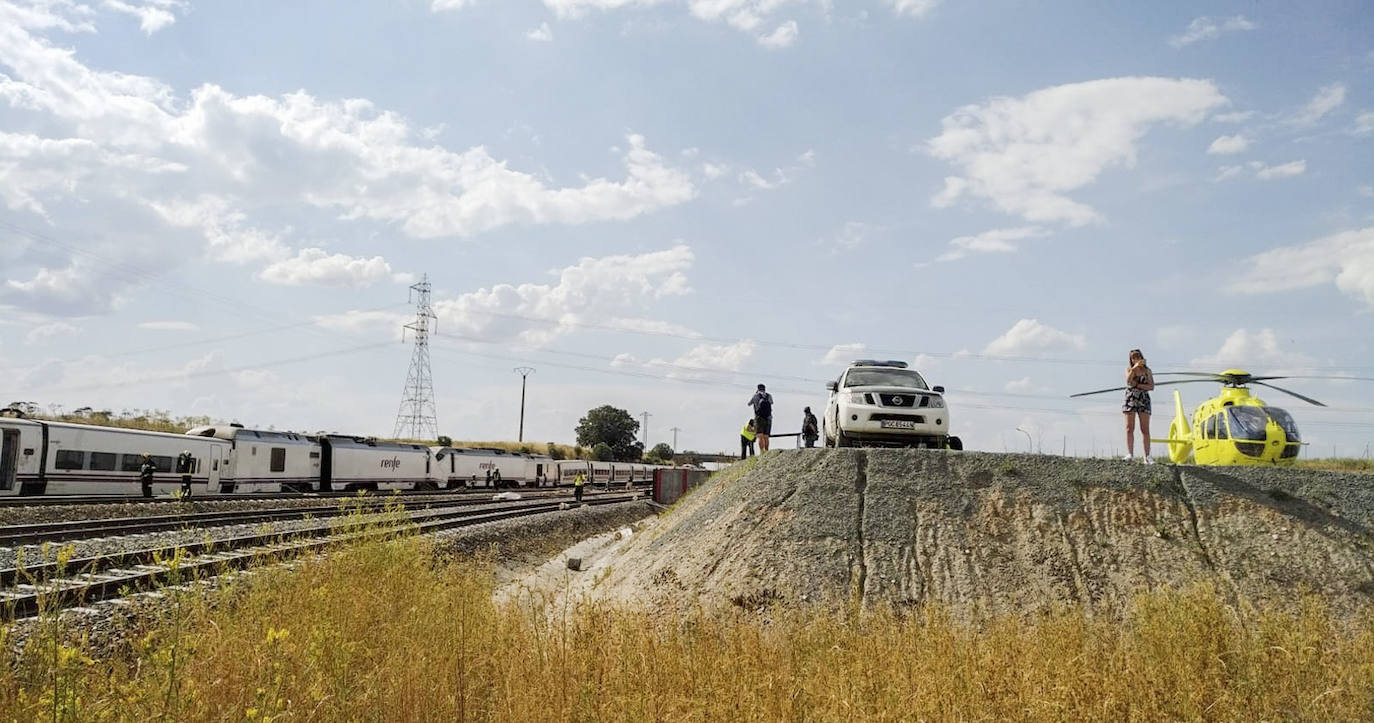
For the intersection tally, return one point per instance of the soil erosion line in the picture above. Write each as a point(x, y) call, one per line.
point(1187, 498)
point(860, 570)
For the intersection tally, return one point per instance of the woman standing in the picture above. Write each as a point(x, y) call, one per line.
point(1139, 382)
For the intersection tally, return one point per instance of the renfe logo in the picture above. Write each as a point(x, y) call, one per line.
point(393, 463)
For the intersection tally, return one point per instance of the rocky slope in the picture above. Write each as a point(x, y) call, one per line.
point(988, 533)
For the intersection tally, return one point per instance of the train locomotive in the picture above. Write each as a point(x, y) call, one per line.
point(61, 458)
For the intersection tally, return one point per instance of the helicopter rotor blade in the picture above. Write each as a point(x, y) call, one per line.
point(1309, 400)
point(1306, 376)
point(1118, 389)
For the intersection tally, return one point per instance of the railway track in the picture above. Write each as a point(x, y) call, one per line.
point(38, 533)
point(59, 500)
point(50, 586)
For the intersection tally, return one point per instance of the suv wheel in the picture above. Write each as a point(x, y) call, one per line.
point(840, 439)
point(955, 444)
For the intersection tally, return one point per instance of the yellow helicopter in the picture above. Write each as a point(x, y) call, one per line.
point(1234, 428)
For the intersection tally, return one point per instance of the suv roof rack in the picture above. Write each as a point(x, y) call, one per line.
point(875, 363)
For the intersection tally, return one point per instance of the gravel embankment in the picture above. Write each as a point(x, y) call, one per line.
point(987, 533)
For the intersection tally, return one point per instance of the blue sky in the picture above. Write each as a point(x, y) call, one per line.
point(217, 208)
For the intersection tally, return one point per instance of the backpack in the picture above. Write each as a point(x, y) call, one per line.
point(765, 406)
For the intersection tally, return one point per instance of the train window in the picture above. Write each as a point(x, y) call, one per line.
point(163, 464)
point(70, 459)
point(103, 461)
point(278, 459)
point(214, 465)
point(130, 463)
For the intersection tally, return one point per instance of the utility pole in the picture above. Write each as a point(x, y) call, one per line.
point(1030, 446)
point(644, 431)
point(675, 430)
point(523, 372)
point(417, 418)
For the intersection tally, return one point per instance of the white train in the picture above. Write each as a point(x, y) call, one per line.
point(59, 458)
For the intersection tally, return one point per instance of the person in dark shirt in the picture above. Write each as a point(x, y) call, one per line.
point(762, 402)
point(145, 475)
point(811, 430)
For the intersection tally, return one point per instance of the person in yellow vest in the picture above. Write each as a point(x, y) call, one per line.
point(578, 482)
point(746, 440)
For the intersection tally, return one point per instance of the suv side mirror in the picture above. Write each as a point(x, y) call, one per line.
point(832, 386)
point(938, 389)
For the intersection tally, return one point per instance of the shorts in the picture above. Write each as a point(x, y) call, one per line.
point(763, 425)
point(1136, 401)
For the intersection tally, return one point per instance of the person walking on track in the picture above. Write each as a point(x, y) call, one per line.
point(145, 475)
point(762, 402)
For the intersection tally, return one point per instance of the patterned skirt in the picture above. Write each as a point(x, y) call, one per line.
point(1137, 400)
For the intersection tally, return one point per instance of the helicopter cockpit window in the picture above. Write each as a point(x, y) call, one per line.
point(1214, 429)
point(1282, 418)
point(1247, 422)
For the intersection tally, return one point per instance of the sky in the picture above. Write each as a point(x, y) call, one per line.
point(218, 209)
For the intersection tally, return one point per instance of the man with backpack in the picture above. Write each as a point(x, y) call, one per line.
point(762, 402)
point(810, 427)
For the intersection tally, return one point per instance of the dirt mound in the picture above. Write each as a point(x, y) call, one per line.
point(989, 533)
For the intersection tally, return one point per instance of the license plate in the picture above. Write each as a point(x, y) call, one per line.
point(897, 424)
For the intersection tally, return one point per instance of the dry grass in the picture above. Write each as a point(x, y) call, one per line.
point(382, 632)
point(1338, 464)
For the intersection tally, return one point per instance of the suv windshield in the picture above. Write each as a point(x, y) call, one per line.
point(885, 377)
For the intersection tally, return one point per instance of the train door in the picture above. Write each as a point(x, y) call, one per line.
point(9, 458)
point(326, 465)
point(539, 474)
point(211, 475)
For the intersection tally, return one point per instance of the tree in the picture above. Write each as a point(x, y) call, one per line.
point(660, 454)
point(613, 427)
point(555, 452)
point(602, 452)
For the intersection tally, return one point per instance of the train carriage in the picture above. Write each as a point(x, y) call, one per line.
point(358, 463)
point(266, 461)
point(62, 458)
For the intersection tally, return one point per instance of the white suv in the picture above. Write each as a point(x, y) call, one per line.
point(884, 403)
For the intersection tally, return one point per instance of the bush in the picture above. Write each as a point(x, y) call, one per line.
point(555, 451)
point(602, 452)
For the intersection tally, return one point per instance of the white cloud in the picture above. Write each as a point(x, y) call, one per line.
point(912, 8)
point(542, 34)
point(844, 353)
point(783, 37)
point(851, 236)
point(153, 15)
point(363, 322)
point(1234, 117)
point(1228, 172)
point(714, 170)
point(707, 358)
point(1029, 337)
point(1024, 154)
point(1364, 123)
point(1021, 385)
point(999, 240)
point(1205, 28)
point(169, 326)
point(1285, 170)
point(747, 16)
point(1346, 258)
point(1326, 100)
point(586, 292)
point(1366, 191)
point(1228, 144)
point(1251, 351)
point(318, 267)
point(48, 331)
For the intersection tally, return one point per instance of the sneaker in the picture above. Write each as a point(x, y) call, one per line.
point(1149, 460)
point(1128, 458)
